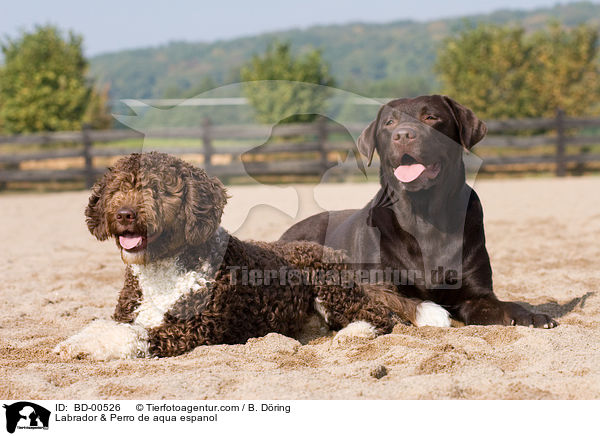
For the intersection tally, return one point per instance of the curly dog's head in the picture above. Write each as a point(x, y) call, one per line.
point(155, 204)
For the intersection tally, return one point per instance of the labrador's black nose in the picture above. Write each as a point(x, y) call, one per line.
point(404, 134)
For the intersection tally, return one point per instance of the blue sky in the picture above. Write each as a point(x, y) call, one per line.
point(111, 25)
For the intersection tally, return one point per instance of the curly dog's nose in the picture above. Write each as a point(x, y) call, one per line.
point(125, 215)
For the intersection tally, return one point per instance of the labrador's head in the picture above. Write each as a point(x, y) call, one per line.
point(420, 141)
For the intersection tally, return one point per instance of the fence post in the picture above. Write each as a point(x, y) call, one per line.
point(322, 141)
point(207, 144)
point(87, 155)
point(561, 144)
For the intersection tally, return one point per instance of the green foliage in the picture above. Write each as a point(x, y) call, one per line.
point(42, 84)
point(359, 54)
point(503, 72)
point(565, 72)
point(484, 68)
point(97, 114)
point(284, 92)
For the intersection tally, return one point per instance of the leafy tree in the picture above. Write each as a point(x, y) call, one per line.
point(285, 94)
point(97, 114)
point(503, 72)
point(484, 68)
point(42, 83)
point(565, 71)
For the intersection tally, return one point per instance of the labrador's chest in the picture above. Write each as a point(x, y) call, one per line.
point(162, 284)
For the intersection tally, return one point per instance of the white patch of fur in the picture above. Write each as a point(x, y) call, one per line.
point(321, 309)
point(162, 284)
point(431, 314)
point(106, 340)
point(136, 257)
point(356, 329)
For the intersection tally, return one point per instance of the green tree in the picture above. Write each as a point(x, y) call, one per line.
point(564, 71)
point(285, 94)
point(503, 72)
point(97, 114)
point(484, 68)
point(42, 82)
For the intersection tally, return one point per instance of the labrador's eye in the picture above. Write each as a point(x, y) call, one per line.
point(431, 118)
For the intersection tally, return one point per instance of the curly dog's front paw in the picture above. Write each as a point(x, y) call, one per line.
point(105, 340)
point(356, 329)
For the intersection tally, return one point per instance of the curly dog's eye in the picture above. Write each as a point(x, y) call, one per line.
point(124, 186)
point(154, 186)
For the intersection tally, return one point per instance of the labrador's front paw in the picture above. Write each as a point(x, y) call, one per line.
point(520, 316)
point(105, 340)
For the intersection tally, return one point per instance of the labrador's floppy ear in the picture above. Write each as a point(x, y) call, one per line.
point(367, 141)
point(95, 214)
point(470, 128)
point(204, 202)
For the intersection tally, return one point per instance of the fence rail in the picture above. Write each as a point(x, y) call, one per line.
point(306, 149)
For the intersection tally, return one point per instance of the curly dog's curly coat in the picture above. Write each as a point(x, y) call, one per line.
point(179, 291)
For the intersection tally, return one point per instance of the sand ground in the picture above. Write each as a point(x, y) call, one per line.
point(543, 238)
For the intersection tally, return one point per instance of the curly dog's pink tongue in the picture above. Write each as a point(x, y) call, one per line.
point(408, 173)
point(129, 242)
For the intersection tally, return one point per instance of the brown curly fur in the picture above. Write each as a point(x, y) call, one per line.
point(181, 206)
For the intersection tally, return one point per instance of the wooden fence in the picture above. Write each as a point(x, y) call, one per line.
point(300, 149)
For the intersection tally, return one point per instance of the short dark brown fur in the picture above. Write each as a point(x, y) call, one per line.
point(408, 218)
point(180, 206)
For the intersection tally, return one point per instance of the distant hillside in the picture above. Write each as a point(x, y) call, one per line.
point(367, 58)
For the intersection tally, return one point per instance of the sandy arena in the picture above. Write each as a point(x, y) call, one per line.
point(542, 235)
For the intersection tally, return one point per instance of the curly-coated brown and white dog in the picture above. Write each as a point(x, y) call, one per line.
point(180, 291)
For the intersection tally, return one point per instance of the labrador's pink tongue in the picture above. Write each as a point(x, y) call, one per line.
point(129, 242)
point(408, 173)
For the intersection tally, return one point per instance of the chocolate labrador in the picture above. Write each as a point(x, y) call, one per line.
point(423, 231)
